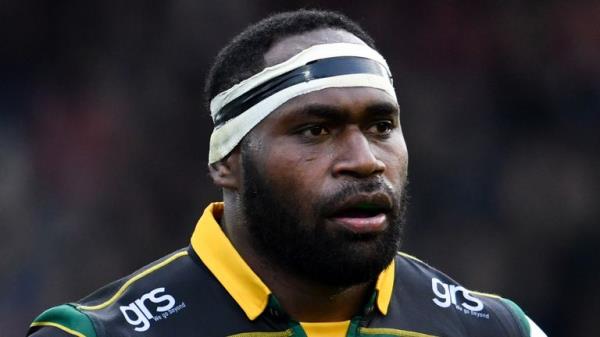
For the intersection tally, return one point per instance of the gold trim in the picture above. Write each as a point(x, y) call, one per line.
point(58, 326)
point(393, 332)
point(485, 294)
point(131, 281)
point(471, 291)
point(410, 257)
point(326, 328)
point(385, 287)
point(286, 333)
point(227, 265)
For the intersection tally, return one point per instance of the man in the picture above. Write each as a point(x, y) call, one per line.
point(309, 152)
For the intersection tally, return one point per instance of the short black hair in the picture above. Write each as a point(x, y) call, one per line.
point(244, 55)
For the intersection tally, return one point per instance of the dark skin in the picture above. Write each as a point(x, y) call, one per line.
point(309, 145)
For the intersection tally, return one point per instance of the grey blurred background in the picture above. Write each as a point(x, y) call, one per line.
point(103, 142)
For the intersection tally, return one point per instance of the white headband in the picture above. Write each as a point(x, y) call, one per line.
point(226, 136)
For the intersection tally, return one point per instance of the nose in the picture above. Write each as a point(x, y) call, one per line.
point(355, 156)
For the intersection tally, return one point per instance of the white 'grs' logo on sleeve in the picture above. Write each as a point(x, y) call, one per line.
point(139, 315)
point(462, 300)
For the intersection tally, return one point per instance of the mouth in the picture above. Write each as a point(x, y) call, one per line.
point(363, 213)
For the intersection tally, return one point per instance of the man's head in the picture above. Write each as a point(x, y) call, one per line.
point(244, 55)
point(320, 181)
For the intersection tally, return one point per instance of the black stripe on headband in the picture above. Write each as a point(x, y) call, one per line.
point(329, 67)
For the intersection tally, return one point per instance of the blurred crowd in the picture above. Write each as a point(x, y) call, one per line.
point(104, 139)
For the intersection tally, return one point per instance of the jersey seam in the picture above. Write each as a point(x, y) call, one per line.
point(131, 281)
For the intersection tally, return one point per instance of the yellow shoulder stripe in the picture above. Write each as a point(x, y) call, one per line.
point(410, 256)
point(485, 294)
point(286, 333)
point(59, 326)
point(131, 281)
point(471, 291)
point(392, 332)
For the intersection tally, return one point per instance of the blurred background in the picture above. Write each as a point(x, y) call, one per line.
point(104, 138)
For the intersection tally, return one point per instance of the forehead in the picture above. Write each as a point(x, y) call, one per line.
point(289, 46)
point(355, 102)
point(341, 98)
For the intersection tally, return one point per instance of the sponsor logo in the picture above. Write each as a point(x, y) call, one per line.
point(447, 295)
point(152, 306)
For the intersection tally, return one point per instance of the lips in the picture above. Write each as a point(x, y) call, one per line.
point(363, 213)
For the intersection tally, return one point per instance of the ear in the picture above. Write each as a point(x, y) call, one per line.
point(226, 173)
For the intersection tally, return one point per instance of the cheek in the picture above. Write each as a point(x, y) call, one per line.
point(300, 174)
point(402, 157)
point(395, 156)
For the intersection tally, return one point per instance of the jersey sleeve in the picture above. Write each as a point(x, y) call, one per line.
point(63, 320)
point(532, 329)
point(535, 330)
point(49, 331)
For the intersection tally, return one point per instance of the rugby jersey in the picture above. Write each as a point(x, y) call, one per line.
point(207, 289)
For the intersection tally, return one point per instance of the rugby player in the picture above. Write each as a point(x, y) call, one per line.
point(308, 150)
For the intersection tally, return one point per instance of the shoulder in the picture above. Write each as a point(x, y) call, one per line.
point(63, 320)
point(438, 295)
point(136, 298)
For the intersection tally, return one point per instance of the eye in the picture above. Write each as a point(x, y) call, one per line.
point(314, 131)
point(382, 128)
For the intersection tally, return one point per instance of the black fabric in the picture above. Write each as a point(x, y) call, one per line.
point(412, 307)
point(49, 332)
point(329, 67)
point(210, 311)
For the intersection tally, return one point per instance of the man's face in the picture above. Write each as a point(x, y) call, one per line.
point(323, 188)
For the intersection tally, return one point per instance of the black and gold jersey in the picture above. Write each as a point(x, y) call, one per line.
point(208, 290)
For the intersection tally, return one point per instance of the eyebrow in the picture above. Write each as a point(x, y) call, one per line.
point(324, 111)
point(383, 108)
point(337, 114)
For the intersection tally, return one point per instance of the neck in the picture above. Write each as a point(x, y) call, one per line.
point(308, 301)
point(304, 300)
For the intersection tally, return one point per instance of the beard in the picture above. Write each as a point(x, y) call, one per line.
point(291, 232)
